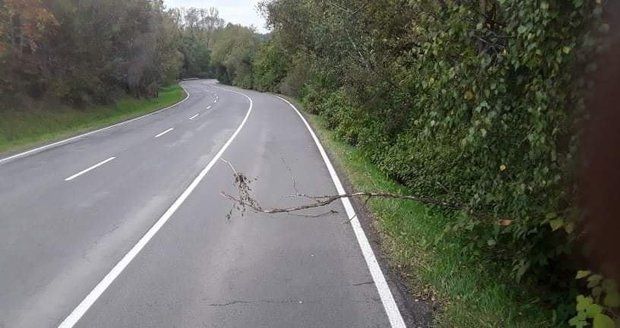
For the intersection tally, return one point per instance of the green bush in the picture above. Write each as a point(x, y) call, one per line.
point(270, 66)
point(472, 102)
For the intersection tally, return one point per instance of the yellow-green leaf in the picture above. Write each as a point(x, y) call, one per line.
point(593, 310)
point(594, 280)
point(582, 274)
point(609, 285)
point(597, 291)
point(603, 321)
point(612, 299)
point(583, 303)
point(556, 224)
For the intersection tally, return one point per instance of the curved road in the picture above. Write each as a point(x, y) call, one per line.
point(126, 227)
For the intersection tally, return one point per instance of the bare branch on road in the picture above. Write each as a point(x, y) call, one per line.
point(245, 200)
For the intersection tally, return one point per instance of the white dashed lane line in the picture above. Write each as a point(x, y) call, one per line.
point(77, 313)
point(162, 133)
point(89, 169)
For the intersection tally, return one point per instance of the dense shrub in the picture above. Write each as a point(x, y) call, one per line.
point(491, 123)
point(270, 66)
point(476, 103)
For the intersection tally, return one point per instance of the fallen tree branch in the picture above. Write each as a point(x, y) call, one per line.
point(246, 200)
point(328, 199)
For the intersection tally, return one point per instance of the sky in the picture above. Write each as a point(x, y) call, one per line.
point(242, 12)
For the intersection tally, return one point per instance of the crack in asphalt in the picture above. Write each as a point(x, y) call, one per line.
point(364, 283)
point(235, 302)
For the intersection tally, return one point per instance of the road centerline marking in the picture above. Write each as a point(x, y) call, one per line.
point(89, 169)
point(164, 132)
point(101, 287)
point(193, 117)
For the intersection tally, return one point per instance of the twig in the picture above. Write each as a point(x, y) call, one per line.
point(327, 199)
point(245, 199)
point(229, 164)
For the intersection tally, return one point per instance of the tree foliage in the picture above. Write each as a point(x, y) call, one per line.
point(197, 28)
point(471, 102)
point(234, 47)
point(92, 51)
point(23, 25)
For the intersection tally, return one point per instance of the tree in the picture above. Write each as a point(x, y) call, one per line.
point(87, 51)
point(234, 48)
point(197, 27)
point(271, 65)
point(23, 26)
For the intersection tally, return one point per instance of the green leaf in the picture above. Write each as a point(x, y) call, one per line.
point(556, 224)
point(593, 309)
point(583, 303)
point(597, 291)
point(603, 321)
point(582, 274)
point(578, 321)
point(609, 285)
point(612, 299)
point(468, 95)
point(594, 280)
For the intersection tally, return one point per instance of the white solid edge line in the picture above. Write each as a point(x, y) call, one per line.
point(61, 142)
point(393, 313)
point(90, 299)
point(89, 169)
point(164, 132)
point(193, 117)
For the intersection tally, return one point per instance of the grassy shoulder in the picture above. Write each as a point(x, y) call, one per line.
point(21, 129)
point(471, 292)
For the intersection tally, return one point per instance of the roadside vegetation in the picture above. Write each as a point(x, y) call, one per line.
point(476, 104)
point(67, 66)
point(39, 123)
point(470, 291)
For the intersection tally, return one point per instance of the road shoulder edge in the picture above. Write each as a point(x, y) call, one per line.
point(385, 286)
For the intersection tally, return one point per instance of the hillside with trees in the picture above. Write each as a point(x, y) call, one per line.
point(92, 52)
point(68, 66)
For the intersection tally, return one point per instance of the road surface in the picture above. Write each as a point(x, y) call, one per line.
point(126, 227)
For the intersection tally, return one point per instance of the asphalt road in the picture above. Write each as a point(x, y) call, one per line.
point(126, 227)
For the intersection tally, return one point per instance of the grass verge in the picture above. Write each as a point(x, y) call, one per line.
point(470, 291)
point(21, 129)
